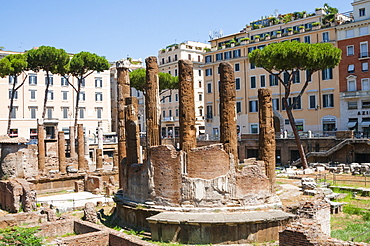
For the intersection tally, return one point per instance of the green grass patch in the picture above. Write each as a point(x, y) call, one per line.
point(20, 236)
point(353, 230)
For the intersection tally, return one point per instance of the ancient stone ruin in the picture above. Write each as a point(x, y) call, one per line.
point(198, 180)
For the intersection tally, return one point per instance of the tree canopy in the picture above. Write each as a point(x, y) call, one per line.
point(289, 58)
point(166, 80)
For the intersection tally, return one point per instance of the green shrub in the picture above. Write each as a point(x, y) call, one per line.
point(18, 236)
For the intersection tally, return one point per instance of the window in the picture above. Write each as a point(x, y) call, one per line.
point(250, 49)
point(83, 83)
point(99, 112)
point(49, 112)
point(307, 39)
point(169, 72)
point(275, 104)
point(327, 74)
point(51, 82)
point(98, 82)
point(364, 31)
point(32, 78)
point(208, 71)
point(98, 96)
point(289, 102)
point(312, 102)
point(209, 87)
point(65, 112)
point(209, 112)
point(200, 97)
point(200, 112)
point(64, 95)
point(176, 97)
point(236, 53)
point(162, 60)
point(81, 113)
point(208, 59)
point(63, 81)
point(365, 67)
point(227, 55)
point(274, 79)
point(252, 66)
point(170, 113)
point(199, 72)
point(365, 84)
point(164, 113)
point(262, 81)
point(350, 50)
point(254, 128)
point(13, 113)
point(350, 33)
point(200, 84)
point(175, 72)
point(189, 57)
point(325, 36)
point(328, 100)
point(13, 133)
point(253, 106)
point(361, 12)
point(363, 50)
point(253, 82)
point(218, 56)
point(177, 112)
point(15, 94)
point(237, 67)
point(32, 94)
point(297, 103)
point(352, 105)
point(82, 96)
point(308, 76)
point(286, 77)
point(238, 107)
point(176, 57)
point(296, 77)
point(11, 80)
point(237, 84)
point(33, 112)
point(50, 95)
point(169, 59)
point(351, 68)
point(365, 104)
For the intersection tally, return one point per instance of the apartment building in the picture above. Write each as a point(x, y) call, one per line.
point(94, 103)
point(353, 39)
point(168, 63)
point(318, 109)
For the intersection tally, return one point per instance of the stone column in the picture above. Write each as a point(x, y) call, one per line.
point(100, 134)
point(115, 159)
point(266, 148)
point(152, 107)
point(123, 91)
point(61, 152)
point(99, 160)
point(81, 147)
point(228, 131)
point(72, 142)
point(41, 147)
point(132, 131)
point(186, 106)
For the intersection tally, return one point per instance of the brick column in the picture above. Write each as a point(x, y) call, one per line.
point(61, 152)
point(152, 107)
point(123, 91)
point(132, 131)
point(186, 105)
point(266, 148)
point(41, 147)
point(72, 142)
point(81, 147)
point(99, 159)
point(228, 131)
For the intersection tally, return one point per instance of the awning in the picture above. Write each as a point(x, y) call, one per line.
point(365, 123)
point(351, 124)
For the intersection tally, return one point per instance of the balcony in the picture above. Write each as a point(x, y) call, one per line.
point(354, 94)
point(364, 55)
point(167, 119)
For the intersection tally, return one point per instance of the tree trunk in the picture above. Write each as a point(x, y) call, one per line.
point(11, 105)
point(79, 81)
point(46, 94)
point(296, 135)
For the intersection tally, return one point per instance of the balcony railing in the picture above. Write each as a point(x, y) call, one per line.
point(364, 55)
point(352, 94)
point(167, 119)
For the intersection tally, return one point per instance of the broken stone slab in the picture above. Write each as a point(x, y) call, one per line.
point(308, 171)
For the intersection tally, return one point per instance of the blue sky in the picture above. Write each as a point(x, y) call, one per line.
point(120, 28)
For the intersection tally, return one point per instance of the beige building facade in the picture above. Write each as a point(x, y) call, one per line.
point(168, 63)
point(94, 104)
point(318, 109)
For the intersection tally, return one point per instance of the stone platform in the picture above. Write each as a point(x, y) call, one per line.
point(218, 227)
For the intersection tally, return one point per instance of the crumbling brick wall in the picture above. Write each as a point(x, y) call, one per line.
point(17, 194)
